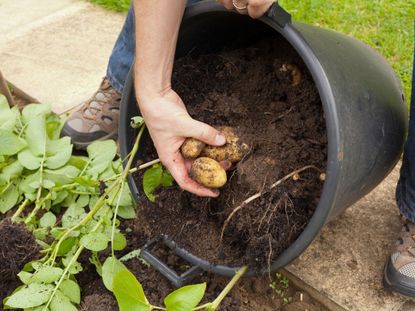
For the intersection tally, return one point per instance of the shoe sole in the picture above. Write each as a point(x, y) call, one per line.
point(84, 145)
point(79, 143)
point(391, 282)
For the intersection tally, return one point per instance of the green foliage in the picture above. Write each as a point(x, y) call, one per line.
point(114, 5)
point(154, 178)
point(38, 171)
point(185, 298)
point(30, 296)
point(129, 292)
point(280, 287)
point(388, 26)
point(111, 267)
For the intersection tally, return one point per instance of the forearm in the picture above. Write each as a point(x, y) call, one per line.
point(157, 26)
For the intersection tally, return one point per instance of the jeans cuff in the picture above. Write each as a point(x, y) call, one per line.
point(114, 82)
point(406, 210)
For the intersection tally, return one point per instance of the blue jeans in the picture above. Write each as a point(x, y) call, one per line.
point(405, 191)
point(122, 56)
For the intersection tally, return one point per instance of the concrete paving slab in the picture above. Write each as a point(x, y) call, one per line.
point(19, 14)
point(63, 60)
point(346, 261)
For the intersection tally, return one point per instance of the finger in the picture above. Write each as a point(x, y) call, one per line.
point(226, 164)
point(203, 132)
point(257, 8)
point(177, 169)
point(227, 4)
point(240, 6)
point(188, 164)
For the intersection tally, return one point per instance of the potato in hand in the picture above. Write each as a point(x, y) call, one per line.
point(191, 148)
point(206, 169)
point(234, 149)
point(208, 173)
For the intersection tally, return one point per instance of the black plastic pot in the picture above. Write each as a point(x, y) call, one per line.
point(363, 102)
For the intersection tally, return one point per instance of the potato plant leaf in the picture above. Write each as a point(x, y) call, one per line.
point(110, 268)
point(47, 220)
point(120, 242)
point(7, 116)
point(153, 178)
point(8, 198)
point(46, 274)
point(71, 290)
point(29, 296)
point(101, 154)
point(185, 298)
point(33, 111)
point(61, 303)
point(136, 122)
point(36, 137)
point(95, 241)
point(28, 160)
point(129, 292)
point(10, 143)
point(126, 212)
point(58, 152)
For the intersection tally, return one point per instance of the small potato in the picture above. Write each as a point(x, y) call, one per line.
point(191, 148)
point(208, 173)
point(296, 74)
point(232, 151)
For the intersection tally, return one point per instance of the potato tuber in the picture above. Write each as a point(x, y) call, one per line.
point(208, 173)
point(234, 150)
point(191, 148)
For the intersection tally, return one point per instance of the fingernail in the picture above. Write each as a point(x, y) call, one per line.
point(220, 139)
point(215, 191)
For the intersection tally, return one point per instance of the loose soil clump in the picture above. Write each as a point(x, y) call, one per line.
point(266, 93)
point(18, 247)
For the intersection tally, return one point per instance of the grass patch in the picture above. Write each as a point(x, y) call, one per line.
point(387, 26)
point(383, 24)
point(113, 5)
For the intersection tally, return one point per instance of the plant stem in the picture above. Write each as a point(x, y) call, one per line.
point(73, 259)
point(115, 218)
point(229, 287)
point(98, 204)
point(215, 304)
point(20, 210)
point(122, 181)
point(156, 308)
point(101, 200)
point(135, 169)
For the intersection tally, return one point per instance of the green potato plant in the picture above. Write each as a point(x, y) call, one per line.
point(42, 181)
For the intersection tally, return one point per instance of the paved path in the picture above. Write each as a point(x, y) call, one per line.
point(57, 50)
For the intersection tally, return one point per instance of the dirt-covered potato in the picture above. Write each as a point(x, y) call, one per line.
point(234, 150)
point(191, 148)
point(208, 173)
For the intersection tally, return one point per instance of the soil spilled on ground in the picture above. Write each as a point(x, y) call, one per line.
point(266, 93)
point(18, 247)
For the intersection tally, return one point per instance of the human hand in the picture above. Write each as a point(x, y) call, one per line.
point(169, 124)
point(254, 8)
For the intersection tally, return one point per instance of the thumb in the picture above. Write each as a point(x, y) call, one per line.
point(205, 133)
point(257, 8)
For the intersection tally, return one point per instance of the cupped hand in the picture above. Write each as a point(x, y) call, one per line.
point(169, 124)
point(254, 8)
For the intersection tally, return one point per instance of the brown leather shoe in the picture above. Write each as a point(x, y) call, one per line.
point(96, 119)
point(399, 271)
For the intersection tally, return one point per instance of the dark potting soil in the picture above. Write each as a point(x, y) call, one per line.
point(278, 113)
point(18, 246)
